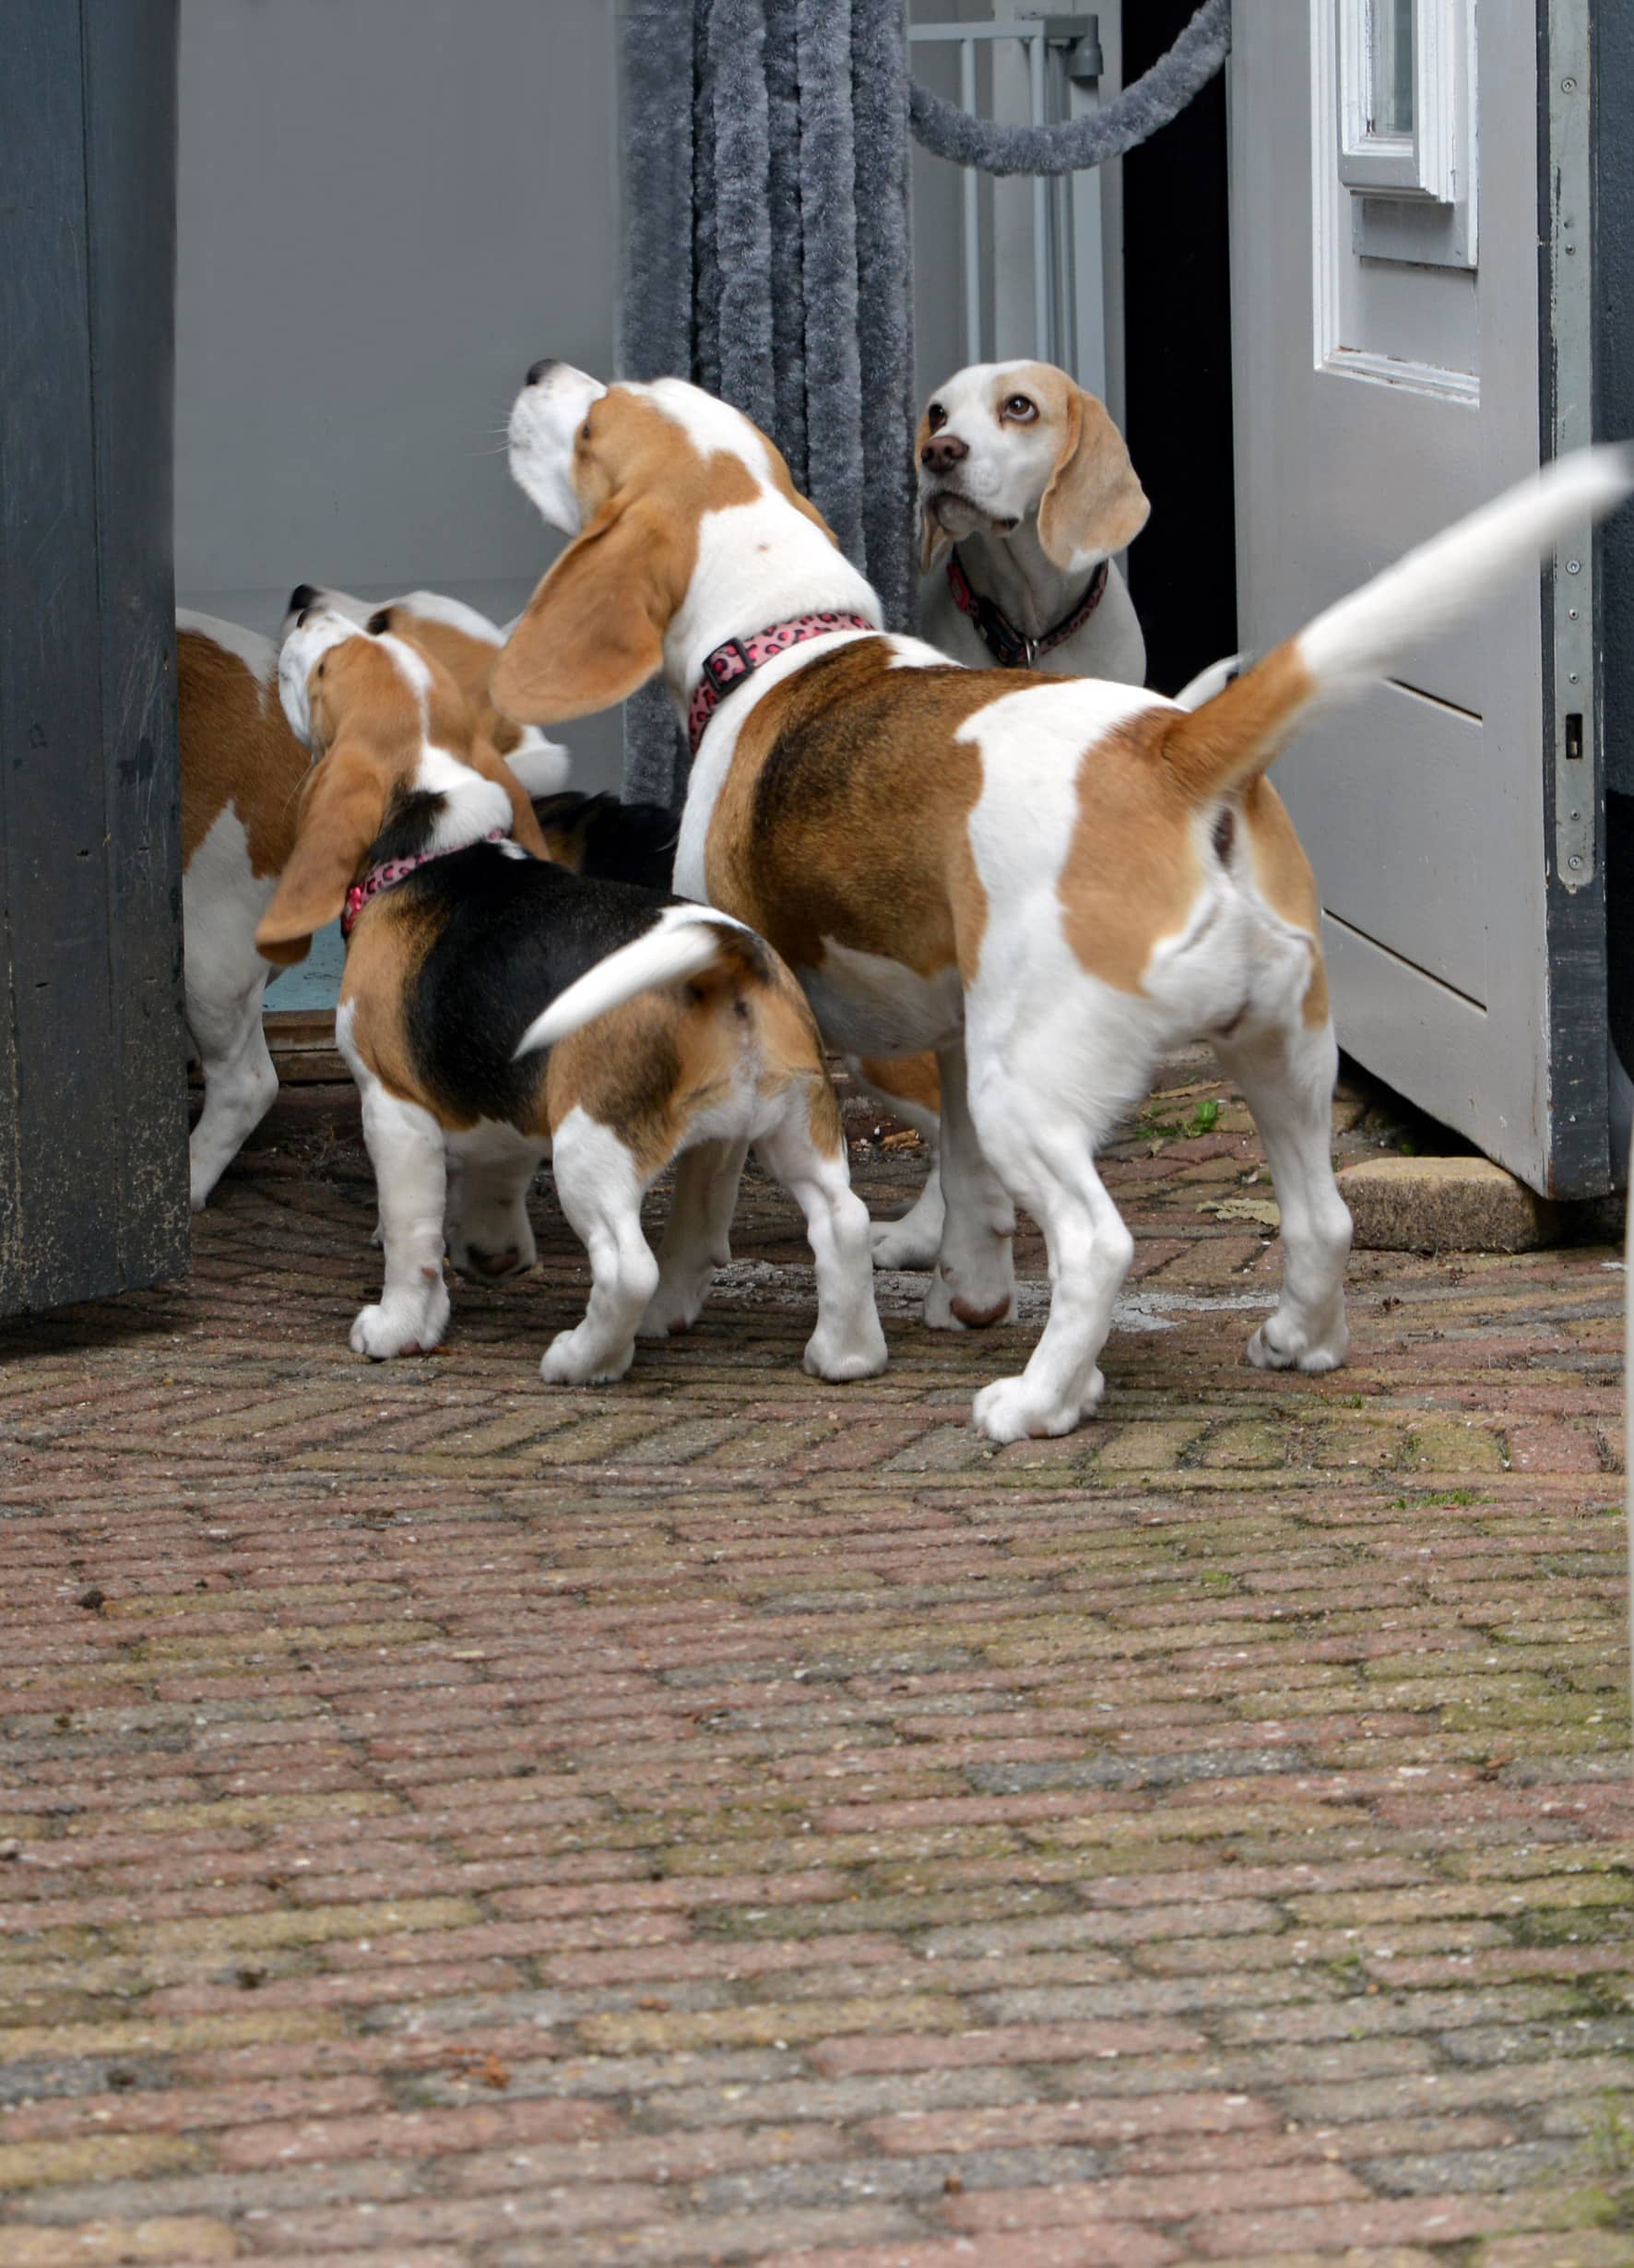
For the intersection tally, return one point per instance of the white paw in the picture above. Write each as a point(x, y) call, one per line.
point(675, 1307)
point(568, 1361)
point(198, 1198)
point(1013, 1410)
point(905, 1243)
point(840, 1356)
point(1282, 1343)
point(947, 1309)
point(401, 1326)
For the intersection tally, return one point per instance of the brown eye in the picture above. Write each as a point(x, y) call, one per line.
point(1020, 410)
point(936, 417)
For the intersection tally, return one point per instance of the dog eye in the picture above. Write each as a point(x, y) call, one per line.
point(936, 417)
point(1019, 408)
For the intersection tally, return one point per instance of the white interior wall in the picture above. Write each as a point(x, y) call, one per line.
point(387, 209)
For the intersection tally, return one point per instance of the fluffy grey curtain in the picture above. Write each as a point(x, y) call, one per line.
point(766, 255)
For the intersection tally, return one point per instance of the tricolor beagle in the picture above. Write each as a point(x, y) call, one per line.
point(495, 1008)
point(1050, 880)
point(242, 770)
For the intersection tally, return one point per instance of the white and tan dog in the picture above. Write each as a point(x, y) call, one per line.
point(1050, 880)
point(1026, 492)
point(497, 1008)
point(241, 773)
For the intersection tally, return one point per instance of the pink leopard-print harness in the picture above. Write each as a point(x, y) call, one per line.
point(739, 657)
point(391, 871)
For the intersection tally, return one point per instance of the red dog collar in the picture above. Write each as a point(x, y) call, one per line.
point(392, 871)
point(1009, 648)
point(739, 657)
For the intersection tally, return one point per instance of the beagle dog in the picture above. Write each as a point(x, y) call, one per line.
point(1026, 492)
point(1049, 881)
point(466, 642)
point(496, 1009)
point(242, 770)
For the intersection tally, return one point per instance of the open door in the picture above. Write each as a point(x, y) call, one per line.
point(1411, 291)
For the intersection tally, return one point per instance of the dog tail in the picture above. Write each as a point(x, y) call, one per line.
point(685, 942)
point(1231, 738)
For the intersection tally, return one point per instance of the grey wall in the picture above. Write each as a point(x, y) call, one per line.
point(387, 209)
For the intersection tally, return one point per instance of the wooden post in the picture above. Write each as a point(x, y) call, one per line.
point(93, 1179)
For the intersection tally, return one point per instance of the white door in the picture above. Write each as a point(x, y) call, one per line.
point(1401, 352)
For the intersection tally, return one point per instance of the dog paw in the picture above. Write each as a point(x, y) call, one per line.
point(1283, 1343)
point(904, 1244)
point(569, 1362)
point(840, 1356)
point(1013, 1410)
point(675, 1307)
point(947, 1309)
point(399, 1328)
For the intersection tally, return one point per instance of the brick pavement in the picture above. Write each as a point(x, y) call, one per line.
point(447, 1822)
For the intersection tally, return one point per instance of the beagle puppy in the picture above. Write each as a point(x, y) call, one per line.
point(242, 770)
point(1050, 881)
point(466, 642)
point(1025, 493)
point(611, 840)
point(496, 1009)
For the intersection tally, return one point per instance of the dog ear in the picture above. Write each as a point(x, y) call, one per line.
point(593, 631)
point(934, 540)
point(1094, 504)
point(342, 807)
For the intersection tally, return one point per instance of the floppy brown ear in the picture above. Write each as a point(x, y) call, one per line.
point(593, 628)
point(1094, 504)
point(340, 816)
point(484, 758)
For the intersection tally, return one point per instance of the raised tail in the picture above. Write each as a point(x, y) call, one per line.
point(1355, 643)
point(684, 943)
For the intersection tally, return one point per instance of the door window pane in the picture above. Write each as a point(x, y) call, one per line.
point(1390, 66)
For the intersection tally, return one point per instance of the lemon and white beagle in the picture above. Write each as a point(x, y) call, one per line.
point(242, 770)
point(496, 1008)
point(1026, 492)
point(1049, 881)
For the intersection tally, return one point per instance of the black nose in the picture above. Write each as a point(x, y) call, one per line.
point(302, 595)
point(542, 368)
point(943, 452)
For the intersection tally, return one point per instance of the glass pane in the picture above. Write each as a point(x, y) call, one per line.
point(1390, 66)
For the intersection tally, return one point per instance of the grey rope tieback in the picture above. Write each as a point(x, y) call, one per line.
point(1129, 119)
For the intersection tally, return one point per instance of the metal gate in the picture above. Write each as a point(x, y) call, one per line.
point(1030, 251)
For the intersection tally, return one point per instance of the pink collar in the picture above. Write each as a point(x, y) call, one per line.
point(739, 656)
point(392, 871)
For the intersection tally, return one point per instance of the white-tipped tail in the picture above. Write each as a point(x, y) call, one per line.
point(671, 950)
point(1449, 576)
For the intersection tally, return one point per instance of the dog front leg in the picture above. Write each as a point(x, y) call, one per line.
point(404, 1145)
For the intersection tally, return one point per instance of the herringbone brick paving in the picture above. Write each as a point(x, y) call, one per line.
point(447, 1821)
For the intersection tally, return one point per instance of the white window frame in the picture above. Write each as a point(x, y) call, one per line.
point(1413, 196)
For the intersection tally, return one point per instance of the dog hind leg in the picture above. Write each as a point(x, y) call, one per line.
point(600, 1187)
point(695, 1240)
point(1286, 1076)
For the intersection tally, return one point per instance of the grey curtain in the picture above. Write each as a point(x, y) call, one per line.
point(766, 255)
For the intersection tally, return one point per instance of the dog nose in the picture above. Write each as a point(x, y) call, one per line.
point(942, 451)
point(301, 596)
point(543, 369)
